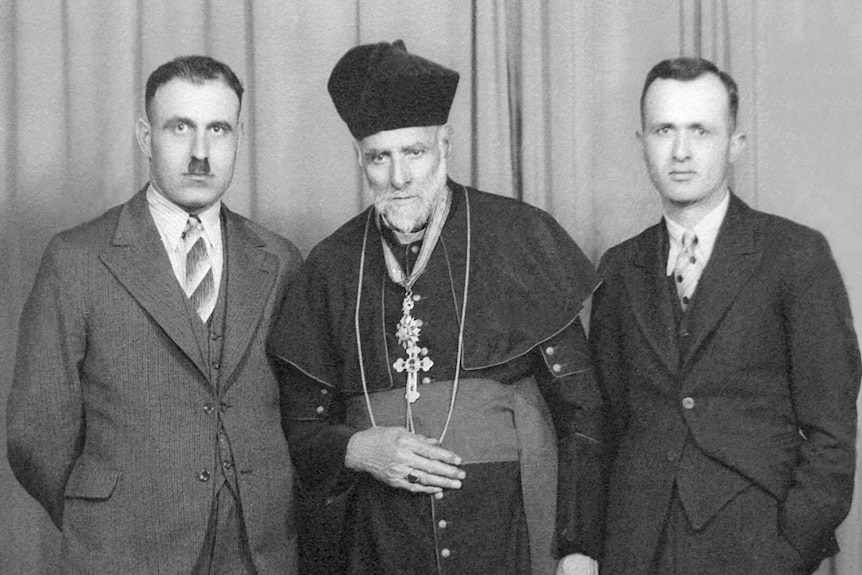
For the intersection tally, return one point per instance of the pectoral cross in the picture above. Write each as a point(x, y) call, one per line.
point(412, 365)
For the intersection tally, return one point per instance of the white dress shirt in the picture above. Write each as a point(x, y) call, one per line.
point(171, 221)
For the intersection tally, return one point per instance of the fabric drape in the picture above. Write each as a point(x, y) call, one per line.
point(546, 111)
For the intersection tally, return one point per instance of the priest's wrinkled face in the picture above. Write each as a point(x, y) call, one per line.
point(405, 169)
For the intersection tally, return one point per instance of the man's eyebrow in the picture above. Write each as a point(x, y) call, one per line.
point(375, 152)
point(174, 120)
point(220, 124)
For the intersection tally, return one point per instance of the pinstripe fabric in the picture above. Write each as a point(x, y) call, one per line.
point(113, 416)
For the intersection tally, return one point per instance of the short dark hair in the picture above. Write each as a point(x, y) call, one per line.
point(197, 69)
point(690, 69)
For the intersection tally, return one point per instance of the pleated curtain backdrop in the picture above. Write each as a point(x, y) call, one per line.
point(546, 111)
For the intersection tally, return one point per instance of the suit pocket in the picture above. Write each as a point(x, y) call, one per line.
point(91, 479)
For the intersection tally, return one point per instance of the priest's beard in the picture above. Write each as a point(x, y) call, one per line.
point(412, 216)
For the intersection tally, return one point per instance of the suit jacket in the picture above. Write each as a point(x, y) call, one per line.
point(757, 386)
point(113, 414)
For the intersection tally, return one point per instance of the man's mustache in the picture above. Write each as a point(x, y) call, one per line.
point(199, 167)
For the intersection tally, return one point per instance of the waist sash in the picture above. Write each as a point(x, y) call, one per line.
point(490, 422)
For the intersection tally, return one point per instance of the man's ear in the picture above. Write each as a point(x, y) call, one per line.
point(444, 137)
point(144, 134)
point(358, 148)
point(738, 142)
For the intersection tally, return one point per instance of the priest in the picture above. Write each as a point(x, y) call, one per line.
point(438, 398)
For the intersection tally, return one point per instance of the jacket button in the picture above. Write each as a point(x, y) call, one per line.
point(209, 408)
point(204, 475)
point(445, 553)
point(442, 524)
point(670, 455)
point(557, 368)
point(550, 350)
point(688, 403)
point(227, 464)
point(320, 409)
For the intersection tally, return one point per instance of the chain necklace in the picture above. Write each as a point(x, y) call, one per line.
point(409, 328)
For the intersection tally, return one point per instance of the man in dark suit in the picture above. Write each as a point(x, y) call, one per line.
point(726, 354)
point(144, 415)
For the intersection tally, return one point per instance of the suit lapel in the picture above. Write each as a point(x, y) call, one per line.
point(251, 273)
point(734, 259)
point(138, 260)
point(647, 284)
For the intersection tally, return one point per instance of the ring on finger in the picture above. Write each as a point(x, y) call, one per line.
point(412, 478)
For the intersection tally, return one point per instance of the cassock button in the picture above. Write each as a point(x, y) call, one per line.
point(324, 391)
point(444, 553)
point(557, 368)
point(550, 350)
point(426, 380)
point(216, 365)
point(416, 297)
point(204, 476)
point(214, 336)
point(320, 409)
point(209, 408)
point(442, 524)
point(670, 455)
point(688, 403)
point(227, 464)
point(438, 495)
point(414, 249)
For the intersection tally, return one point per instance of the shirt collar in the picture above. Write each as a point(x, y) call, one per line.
point(171, 219)
point(706, 231)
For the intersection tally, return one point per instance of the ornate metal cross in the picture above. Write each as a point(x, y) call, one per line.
point(412, 365)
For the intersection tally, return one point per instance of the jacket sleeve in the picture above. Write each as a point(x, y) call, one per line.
point(824, 383)
point(606, 354)
point(569, 388)
point(45, 418)
point(313, 416)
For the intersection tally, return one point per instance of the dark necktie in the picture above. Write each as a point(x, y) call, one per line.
point(688, 268)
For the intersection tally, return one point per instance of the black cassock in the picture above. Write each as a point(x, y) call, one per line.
point(527, 409)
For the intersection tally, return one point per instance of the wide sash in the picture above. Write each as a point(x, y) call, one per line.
point(491, 422)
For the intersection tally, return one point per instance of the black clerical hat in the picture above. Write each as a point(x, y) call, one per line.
point(382, 86)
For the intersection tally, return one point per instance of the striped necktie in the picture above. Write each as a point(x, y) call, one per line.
point(688, 268)
point(199, 284)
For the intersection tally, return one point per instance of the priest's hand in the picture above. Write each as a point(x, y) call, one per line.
point(404, 460)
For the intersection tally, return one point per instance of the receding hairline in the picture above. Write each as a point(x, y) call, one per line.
point(195, 69)
point(685, 69)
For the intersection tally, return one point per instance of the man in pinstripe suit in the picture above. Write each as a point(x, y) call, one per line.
point(144, 415)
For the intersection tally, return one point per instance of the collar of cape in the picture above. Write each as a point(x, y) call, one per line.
point(528, 282)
